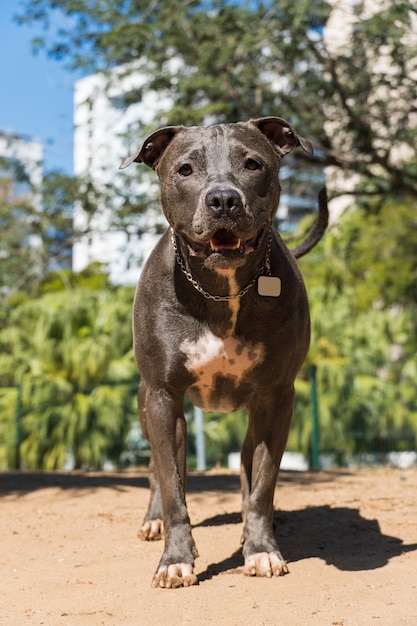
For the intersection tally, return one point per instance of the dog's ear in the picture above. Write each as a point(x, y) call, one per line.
point(282, 135)
point(153, 148)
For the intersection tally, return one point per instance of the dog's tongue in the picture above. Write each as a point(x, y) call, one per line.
point(224, 240)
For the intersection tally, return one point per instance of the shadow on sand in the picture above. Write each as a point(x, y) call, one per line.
point(338, 535)
point(21, 482)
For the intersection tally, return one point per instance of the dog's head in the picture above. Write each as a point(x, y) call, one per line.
point(219, 184)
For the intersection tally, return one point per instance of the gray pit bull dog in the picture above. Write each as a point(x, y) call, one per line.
point(220, 314)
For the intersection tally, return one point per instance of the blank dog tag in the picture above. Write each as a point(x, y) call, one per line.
point(269, 286)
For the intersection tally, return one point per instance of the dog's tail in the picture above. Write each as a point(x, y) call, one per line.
point(318, 228)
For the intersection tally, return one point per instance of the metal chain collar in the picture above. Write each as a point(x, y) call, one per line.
point(264, 269)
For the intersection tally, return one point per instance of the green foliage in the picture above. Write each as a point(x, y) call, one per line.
point(363, 310)
point(69, 354)
point(37, 233)
point(382, 256)
point(92, 277)
point(19, 251)
point(8, 426)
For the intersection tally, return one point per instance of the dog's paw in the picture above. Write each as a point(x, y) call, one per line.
point(152, 530)
point(265, 564)
point(175, 575)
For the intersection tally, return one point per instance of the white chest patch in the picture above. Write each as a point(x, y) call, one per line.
point(212, 359)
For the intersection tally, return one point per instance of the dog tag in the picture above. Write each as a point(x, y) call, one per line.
point(269, 286)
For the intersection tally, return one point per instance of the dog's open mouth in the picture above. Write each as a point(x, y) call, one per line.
point(225, 243)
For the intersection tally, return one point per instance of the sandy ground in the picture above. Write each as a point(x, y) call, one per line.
point(69, 553)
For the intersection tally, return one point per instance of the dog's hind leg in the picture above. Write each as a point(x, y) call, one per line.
point(152, 528)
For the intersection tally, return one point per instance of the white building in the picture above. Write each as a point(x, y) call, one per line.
point(106, 132)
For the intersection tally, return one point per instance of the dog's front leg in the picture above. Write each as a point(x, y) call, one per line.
point(269, 423)
point(167, 434)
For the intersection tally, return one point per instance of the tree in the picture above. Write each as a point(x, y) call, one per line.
point(37, 232)
point(227, 60)
point(382, 255)
point(363, 334)
point(66, 360)
point(18, 255)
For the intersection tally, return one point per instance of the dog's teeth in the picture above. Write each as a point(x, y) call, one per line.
point(214, 247)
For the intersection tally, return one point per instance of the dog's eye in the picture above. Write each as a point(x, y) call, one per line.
point(185, 170)
point(251, 164)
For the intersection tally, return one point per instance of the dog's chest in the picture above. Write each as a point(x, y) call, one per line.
point(221, 367)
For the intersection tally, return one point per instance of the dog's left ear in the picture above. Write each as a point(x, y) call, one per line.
point(153, 148)
point(282, 135)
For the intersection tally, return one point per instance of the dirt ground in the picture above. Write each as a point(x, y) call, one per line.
point(69, 554)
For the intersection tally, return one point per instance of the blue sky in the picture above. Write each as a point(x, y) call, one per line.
point(36, 93)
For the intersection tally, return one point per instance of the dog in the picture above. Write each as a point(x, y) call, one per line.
point(221, 314)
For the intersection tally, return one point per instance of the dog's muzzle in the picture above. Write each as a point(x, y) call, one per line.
point(265, 269)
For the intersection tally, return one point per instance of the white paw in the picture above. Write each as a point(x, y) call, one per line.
point(265, 564)
point(175, 575)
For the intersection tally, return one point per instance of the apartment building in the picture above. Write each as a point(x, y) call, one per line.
point(106, 131)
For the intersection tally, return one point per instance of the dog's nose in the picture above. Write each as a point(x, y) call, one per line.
point(224, 201)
